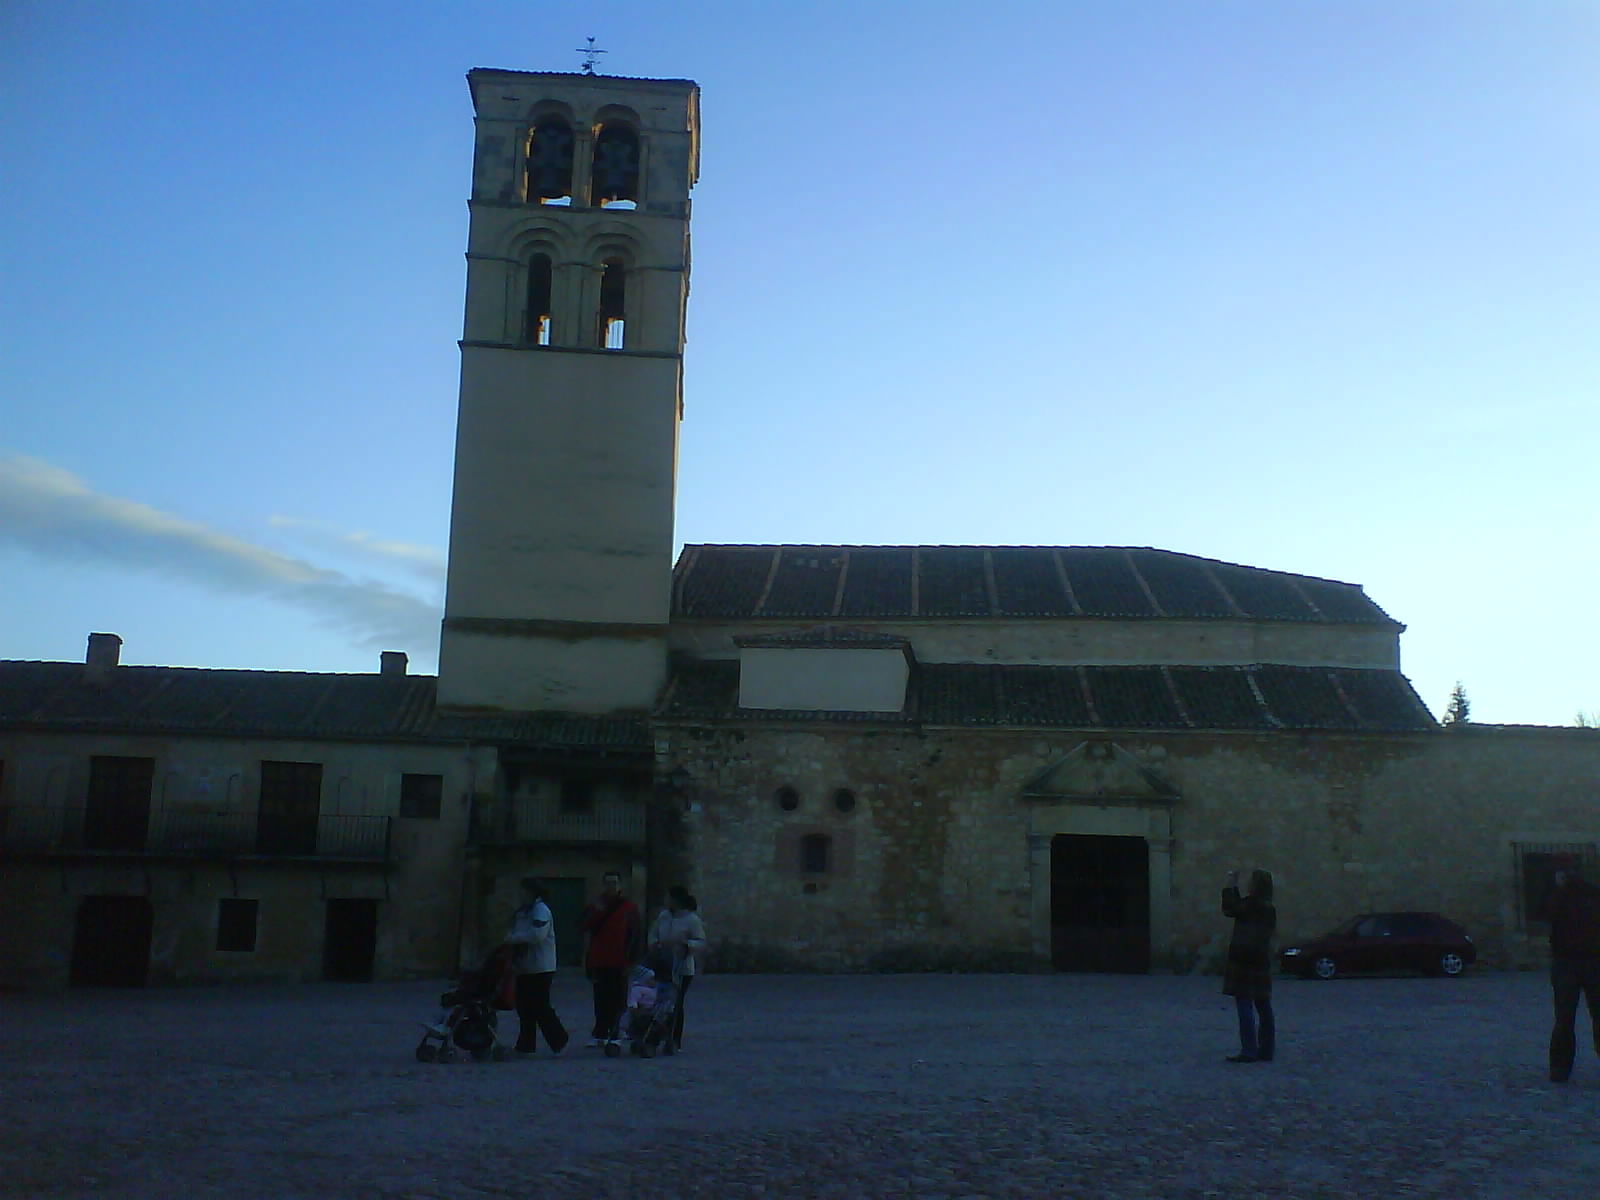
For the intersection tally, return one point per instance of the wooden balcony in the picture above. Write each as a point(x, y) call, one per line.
point(526, 820)
point(37, 831)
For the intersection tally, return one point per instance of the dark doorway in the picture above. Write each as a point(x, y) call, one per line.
point(350, 940)
point(111, 943)
point(1100, 904)
point(566, 898)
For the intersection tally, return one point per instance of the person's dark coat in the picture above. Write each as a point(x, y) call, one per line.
point(1573, 910)
point(1249, 968)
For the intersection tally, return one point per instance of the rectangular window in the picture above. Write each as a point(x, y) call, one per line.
point(1536, 868)
point(613, 303)
point(420, 796)
point(116, 813)
point(236, 924)
point(540, 276)
point(814, 853)
point(291, 802)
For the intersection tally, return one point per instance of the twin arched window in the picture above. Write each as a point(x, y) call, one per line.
point(538, 321)
point(613, 171)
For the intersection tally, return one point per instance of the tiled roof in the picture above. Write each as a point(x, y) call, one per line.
point(497, 74)
point(885, 582)
point(827, 635)
point(65, 697)
point(1176, 698)
point(550, 730)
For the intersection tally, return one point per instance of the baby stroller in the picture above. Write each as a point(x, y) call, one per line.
point(468, 1021)
point(652, 1001)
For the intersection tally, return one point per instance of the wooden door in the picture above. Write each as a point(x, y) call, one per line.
point(111, 941)
point(1100, 903)
point(291, 801)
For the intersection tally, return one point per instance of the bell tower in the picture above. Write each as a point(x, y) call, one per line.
point(560, 572)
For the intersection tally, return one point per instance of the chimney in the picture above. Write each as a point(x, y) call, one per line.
point(392, 663)
point(105, 649)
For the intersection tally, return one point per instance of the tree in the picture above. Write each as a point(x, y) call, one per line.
point(1459, 710)
point(1587, 720)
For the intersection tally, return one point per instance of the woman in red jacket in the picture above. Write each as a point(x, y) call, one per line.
point(613, 942)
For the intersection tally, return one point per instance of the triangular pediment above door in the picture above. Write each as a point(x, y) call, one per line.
point(1099, 771)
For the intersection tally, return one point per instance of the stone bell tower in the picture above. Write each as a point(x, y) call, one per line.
point(561, 543)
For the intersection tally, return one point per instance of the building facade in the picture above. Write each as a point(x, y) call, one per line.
point(860, 757)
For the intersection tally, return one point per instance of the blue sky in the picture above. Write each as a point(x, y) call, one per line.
point(1306, 286)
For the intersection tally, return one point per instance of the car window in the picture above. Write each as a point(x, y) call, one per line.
point(1372, 927)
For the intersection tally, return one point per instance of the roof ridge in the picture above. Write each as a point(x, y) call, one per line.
point(49, 662)
point(983, 547)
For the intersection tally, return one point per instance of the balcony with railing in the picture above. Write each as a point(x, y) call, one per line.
point(40, 831)
point(529, 819)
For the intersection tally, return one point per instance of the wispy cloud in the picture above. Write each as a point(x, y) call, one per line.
point(54, 514)
point(425, 561)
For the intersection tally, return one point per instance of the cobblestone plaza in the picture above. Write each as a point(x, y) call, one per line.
point(925, 1086)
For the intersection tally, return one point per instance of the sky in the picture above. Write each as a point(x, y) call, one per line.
point(1307, 286)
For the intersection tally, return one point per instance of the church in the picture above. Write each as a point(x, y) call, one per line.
point(1003, 758)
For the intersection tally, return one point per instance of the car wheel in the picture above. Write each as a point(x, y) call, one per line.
point(1451, 963)
point(1325, 967)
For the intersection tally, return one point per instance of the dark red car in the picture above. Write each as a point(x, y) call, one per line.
point(1403, 941)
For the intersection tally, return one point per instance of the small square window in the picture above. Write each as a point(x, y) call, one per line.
point(420, 796)
point(577, 796)
point(236, 924)
point(1536, 872)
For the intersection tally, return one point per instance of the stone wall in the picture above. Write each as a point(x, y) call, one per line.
point(938, 862)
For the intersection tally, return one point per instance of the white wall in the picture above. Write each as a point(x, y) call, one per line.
point(853, 680)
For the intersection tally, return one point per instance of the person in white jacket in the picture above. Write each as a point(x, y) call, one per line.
point(533, 941)
point(680, 932)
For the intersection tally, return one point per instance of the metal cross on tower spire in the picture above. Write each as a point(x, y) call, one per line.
point(590, 56)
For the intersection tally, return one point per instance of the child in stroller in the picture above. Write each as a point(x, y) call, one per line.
point(469, 1021)
point(652, 998)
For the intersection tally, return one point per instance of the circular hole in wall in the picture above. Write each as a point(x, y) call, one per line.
point(788, 799)
point(844, 800)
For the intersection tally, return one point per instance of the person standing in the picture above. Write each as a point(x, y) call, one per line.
point(1573, 910)
point(679, 932)
point(533, 942)
point(613, 942)
point(1248, 975)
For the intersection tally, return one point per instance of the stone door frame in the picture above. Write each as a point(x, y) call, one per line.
point(1096, 817)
